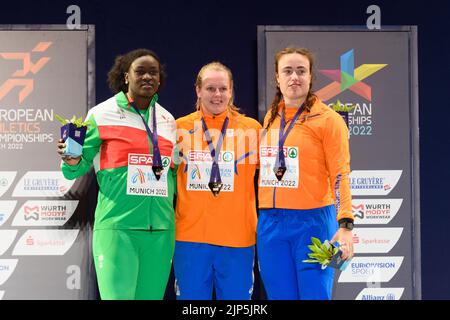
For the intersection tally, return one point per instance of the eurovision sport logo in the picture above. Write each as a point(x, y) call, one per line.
point(375, 240)
point(371, 269)
point(375, 211)
point(380, 294)
point(373, 182)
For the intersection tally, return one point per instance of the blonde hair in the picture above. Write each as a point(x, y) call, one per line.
point(216, 66)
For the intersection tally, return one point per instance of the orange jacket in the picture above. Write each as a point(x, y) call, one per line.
point(323, 161)
point(230, 218)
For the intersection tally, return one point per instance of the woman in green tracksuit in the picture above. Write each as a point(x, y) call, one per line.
point(130, 143)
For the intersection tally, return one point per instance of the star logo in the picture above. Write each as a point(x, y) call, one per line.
point(348, 78)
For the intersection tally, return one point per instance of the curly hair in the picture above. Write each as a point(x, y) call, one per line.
point(310, 97)
point(122, 63)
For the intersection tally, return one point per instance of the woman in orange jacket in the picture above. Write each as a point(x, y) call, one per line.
point(216, 207)
point(303, 188)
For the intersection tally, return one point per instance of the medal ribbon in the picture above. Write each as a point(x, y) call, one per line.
point(280, 162)
point(153, 134)
point(215, 171)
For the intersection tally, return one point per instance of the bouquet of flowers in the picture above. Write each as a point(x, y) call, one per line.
point(342, 109)
point(327, 254)
point(73, 132)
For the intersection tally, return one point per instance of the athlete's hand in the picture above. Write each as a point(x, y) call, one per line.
point(67, 159)
point(345, 239)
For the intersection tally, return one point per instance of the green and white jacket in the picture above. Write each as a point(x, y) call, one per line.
point(117, 131)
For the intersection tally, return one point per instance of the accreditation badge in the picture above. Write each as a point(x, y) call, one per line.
point(199, 170)
point(268, 157)
point(141, 180)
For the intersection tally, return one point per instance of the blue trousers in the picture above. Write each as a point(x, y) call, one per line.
point(283, 237)
point(200, 267)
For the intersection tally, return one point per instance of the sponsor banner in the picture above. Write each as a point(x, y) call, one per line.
point(6, 180)
point(380, 294)
point(6, 208)
point(371, 269)
point(45, 242)
point(6, 239)
point(45, 213)
point(375, 240)
point(375, 211)
point(42, 184)
point(7, 267)
point(1, 294)
point(373, 182)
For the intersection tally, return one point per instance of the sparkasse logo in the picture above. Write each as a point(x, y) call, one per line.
point(375, 240)
point(45, 242)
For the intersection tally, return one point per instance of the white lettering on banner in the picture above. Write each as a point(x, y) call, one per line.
point(45, 242)
point(15, 140)
point(375, 240)
point(74, 279)
point(199, 170)
point(6, 239)
point(267, 163)
point(380, 294)
point(6, 180)
point(42, 184)
point(375, 211)
point(140, 159)
point(141, 180)
point(21, 126)
point(373, 182)
point(371, 269)
point(6, 208)
point(7, 267)
point(45, 213)
point(26, 115)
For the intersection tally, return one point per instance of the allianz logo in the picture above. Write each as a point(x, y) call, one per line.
point(380, 294)
point(389, 296)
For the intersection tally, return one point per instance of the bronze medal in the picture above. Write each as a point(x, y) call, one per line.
point(157, 170)
point(279, 172)
point(215, 187)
